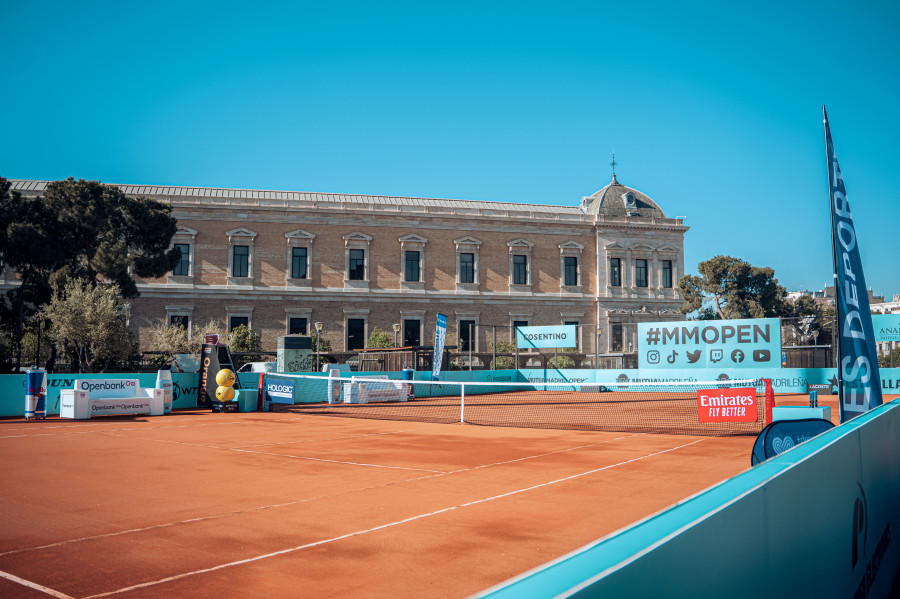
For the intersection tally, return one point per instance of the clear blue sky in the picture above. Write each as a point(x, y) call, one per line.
point(713, 109)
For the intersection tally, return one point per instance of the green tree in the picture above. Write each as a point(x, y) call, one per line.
point(93, 321)
point(102, 233)
point(212, 326)
point(732, 288)
point(884, 360)
point(561, 362)
point(243, 339)
point(504, 362)
point(79, 230)
point(27, 245)
point(803, 321)
point(171, 340)
point(379, 339)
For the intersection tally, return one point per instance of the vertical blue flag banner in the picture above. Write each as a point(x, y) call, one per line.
point(859, 382)
point(440, 332)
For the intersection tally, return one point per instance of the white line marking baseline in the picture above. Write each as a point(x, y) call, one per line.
point(33, 585)
point(384, 526)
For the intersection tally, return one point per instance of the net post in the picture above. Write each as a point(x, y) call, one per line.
point(462, 403)
point(770, 401)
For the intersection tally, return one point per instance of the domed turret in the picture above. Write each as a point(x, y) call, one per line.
point(620, 200)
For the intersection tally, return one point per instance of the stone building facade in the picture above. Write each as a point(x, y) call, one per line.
point(280, 261)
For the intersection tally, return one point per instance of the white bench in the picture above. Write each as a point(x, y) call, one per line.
point(383, 390)
point(101, 397)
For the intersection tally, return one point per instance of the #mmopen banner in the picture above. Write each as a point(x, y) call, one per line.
point(859, 383)
point(440, 331)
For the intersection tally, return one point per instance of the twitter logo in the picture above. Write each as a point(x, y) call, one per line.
point(693, 356)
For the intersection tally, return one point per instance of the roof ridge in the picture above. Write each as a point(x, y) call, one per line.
point(314, 195)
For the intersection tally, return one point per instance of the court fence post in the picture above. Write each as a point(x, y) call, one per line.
point(770, 401)
point(462, 403)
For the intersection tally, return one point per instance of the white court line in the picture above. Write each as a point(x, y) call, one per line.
point(280, 455)
point(300, 457)
point(540, 455)
point(383, 526)
point(290, 503)
point(103, 427)
point(34, 585)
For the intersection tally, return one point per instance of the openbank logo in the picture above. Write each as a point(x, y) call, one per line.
point(106, 385)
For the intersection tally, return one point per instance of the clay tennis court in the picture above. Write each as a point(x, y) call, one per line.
point(282, 504)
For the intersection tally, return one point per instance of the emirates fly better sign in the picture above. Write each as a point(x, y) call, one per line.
point(727, 405)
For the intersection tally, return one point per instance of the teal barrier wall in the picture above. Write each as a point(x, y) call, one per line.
point(787, 380)
point(815, 521)
point(12, 389)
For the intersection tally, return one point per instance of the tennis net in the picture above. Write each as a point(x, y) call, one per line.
point(716, 408)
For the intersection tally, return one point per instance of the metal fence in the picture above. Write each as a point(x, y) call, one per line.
point(485, 346)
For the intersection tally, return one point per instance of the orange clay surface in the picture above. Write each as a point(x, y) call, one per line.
point(196, 504)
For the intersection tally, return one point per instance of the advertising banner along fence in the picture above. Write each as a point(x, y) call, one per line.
point(886, 326)
point(747, 343)
point(562, 336)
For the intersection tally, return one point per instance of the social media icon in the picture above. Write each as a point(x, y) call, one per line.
point(761, 355)
point(671, 359)
point(716, 355)
point(693, 356)
point(737, 356)
point(653, 357)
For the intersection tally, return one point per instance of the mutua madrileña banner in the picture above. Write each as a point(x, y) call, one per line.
point(859, 383)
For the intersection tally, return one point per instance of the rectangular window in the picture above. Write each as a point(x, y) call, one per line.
point(617, 337)
point(615, 272)
point(183, 268)
point(298, 263)
point(241, 261)
point(640, 272)
point(180, 320)
point(577, 332)
point(467, 268)
point(467, 332)
point(667, 274)
point(356, 333)
point(515, 325)
point(411, 335)
point(236, 321)
point(412, 267)
point(357, 265)
point(297, 326)
point(570, 276)
point(520, 270)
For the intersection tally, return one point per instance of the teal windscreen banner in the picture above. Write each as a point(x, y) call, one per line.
point(561, 336)
point(859, 382)
point(742, 343)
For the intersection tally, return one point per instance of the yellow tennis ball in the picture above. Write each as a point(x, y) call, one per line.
point(225, 393)
point(225, 377)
